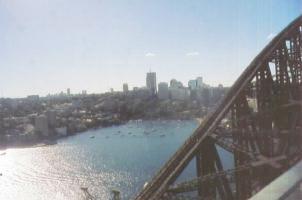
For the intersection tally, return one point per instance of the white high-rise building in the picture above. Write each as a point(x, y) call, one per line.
point(151, 82)
point(163, 91)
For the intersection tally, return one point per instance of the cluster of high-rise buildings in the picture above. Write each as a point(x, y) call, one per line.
point(174, 90)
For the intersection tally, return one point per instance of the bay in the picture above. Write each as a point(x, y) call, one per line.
point(120, 157)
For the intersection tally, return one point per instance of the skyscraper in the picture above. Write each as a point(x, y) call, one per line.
point(151, 82)
point(68, 91)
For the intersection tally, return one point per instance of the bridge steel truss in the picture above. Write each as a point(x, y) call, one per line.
point(264, 139)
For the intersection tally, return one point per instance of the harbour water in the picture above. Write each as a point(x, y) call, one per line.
point(120, 157)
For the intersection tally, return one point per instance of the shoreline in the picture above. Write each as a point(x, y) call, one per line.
point(44, 142)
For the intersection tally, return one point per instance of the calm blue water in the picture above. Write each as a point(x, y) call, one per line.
point(120, 157)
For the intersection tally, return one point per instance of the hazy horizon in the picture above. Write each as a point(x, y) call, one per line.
point(49, 46)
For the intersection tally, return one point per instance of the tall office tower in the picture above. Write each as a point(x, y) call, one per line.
point(125, 87)
point(68, 91)
point(151, 82)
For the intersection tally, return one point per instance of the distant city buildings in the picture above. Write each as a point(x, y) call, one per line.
point(192, 84)
point(33, 98)
point(196, 90)
point(125, 88)
point(175, 84)
point(163, 91)
point(178, 91)
point(142, 92)
point(61, 115)
point(151, 82)
point(199, 82)
point(174, 90)
point(196, 84)
point(217, 93)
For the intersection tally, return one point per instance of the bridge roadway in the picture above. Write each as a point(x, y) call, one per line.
point(175, 165)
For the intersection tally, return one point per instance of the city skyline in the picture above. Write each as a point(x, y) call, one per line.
point(124, 87)
point(48, 46)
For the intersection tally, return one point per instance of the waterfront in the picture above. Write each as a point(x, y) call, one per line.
point(120, 157)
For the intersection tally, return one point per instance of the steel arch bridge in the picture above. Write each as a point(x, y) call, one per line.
point(265, 139)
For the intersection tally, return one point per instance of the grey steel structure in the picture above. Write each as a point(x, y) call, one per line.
point(265, 142)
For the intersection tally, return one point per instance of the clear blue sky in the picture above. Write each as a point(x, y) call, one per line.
point(47, 46)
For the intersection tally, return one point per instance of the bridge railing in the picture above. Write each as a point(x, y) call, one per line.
point(286, 185)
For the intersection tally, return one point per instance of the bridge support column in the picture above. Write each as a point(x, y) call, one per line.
point(205, 165)
point(208, 162)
